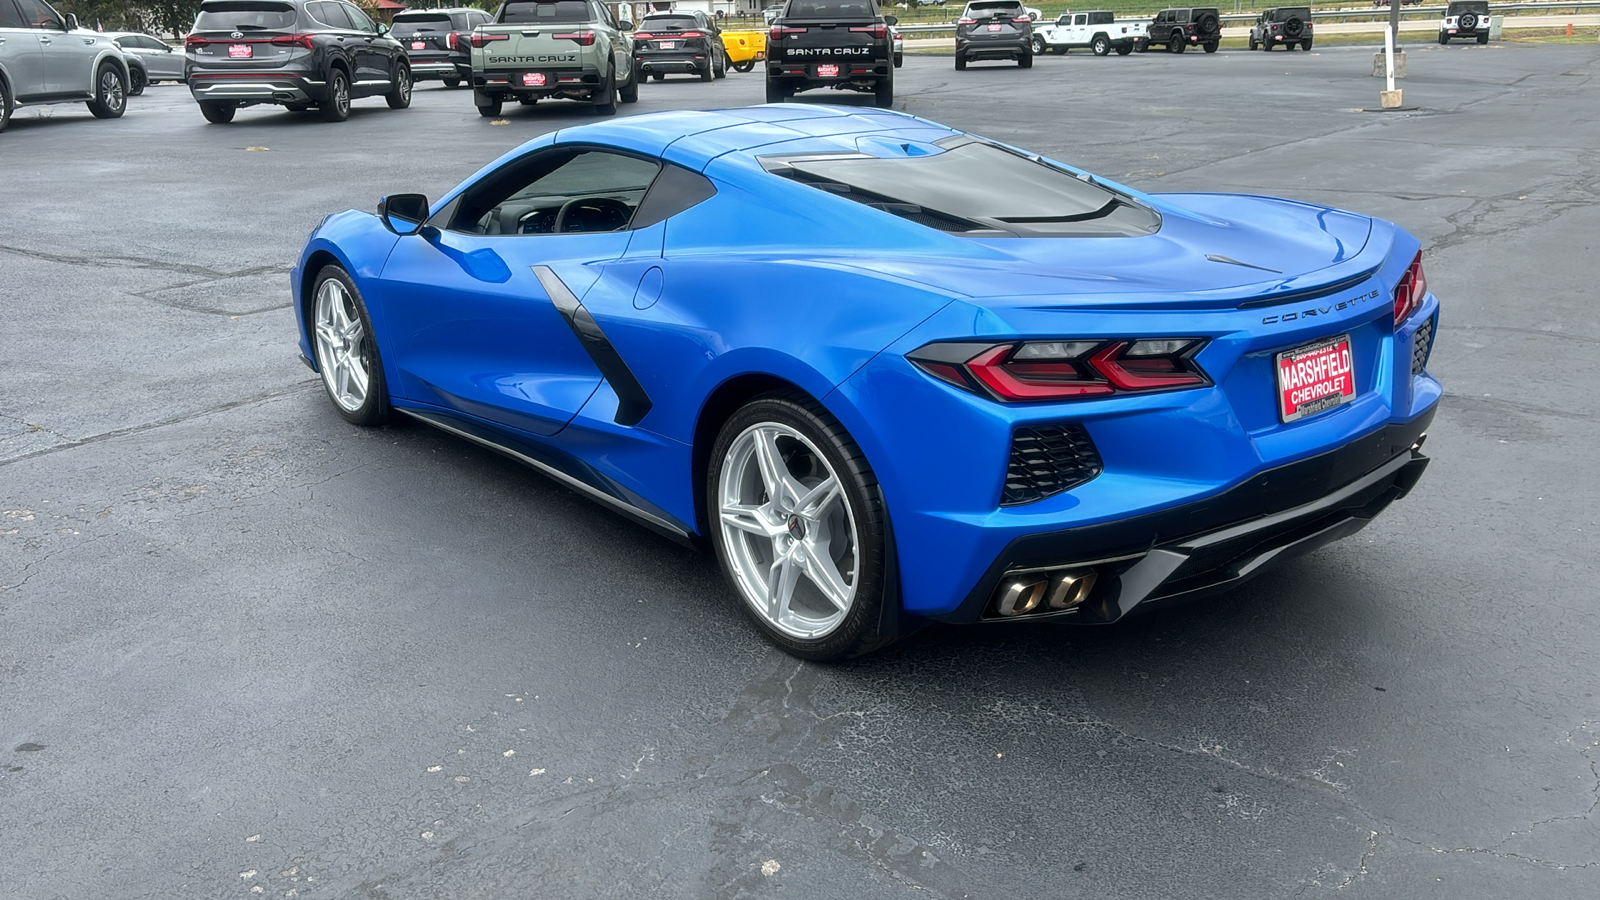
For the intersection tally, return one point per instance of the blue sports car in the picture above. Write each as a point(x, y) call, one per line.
point(891, 372)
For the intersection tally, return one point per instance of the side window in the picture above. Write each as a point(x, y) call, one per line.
point(329, 14)
point(1183, 16)
point(38, 15)
point(570, 190)
point(1080, 20)
point(9, 16)
point(359, 19)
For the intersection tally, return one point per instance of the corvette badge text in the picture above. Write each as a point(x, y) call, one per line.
point(1310, 311)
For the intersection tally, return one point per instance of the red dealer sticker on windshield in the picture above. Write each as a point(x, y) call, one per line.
point(1314, 378)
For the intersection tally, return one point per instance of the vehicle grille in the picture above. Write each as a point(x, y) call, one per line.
point(1046, 460)
point(1421, 346)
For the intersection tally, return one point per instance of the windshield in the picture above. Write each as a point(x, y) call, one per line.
point(556, 12)
point(245, 15)
point(975, 186)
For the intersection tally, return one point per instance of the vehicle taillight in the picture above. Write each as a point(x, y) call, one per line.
point(584, 38)
point(289, 40)
point(966, 21)
point(690, 34)
point(1064, 370)
point(877, 31)
point(642, 36)
point(480, 40)
point(777, 32)
point(192, 41)
point(1409, 292)
point(1022, 20)
point(453, 40)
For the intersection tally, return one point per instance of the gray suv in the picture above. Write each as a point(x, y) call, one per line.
point(44, 58)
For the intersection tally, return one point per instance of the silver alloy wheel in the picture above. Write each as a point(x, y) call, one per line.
point(405, 85)
point(789, 531)
point(339, 337)
point(111, 95)
point(341, 95)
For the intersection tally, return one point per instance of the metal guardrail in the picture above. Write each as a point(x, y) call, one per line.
point(1357, 15)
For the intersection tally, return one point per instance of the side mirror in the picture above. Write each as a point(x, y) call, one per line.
point(403, 213)
point(890, 20)
point(72, 22)
point(625, 25)
point(382, 28)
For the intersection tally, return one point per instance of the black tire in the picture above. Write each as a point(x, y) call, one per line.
point(1039, 45)
point(1141, 46)
point(136, 81)
point(1468, 21)
point(857, 631)
point(1177, 44)
point(336, 104)
point(720, 69)
point(630, 94)
point(400, 96)
point(745, 66)
point(1210, 47)
point(1483, 38)
point(1288, 46)
point(1208, 23)
point(488, 108)
point(778, 92)
point(1254, 44)
point(452, 83)
point(706, 74)
point(605, 99)
point(961, 60)
point(1059, 50)
point(660, 76)
point(1124, 49)
point(110, 93)
point(218, 112)
point(883, 92)
point(899, 60)
point(374, 408)
point(5, 104)
point(1444, 38)
point(1101, 45)
point(1025, 61)
point(1306, 45)
point(1293, 27)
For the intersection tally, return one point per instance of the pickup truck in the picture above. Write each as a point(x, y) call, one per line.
point(837, 44)
point(568, 49)
point(1099, 31)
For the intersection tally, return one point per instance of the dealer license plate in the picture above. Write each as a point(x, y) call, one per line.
point(669, 45)
point(994, 27)
point(1315, 377)
point(828, 71)
point(533, 79)
point(238, 51)
point(419, 45)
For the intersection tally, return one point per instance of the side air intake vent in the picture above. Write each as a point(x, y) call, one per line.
point(1046, 460)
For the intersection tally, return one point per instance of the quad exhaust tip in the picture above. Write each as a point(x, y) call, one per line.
point(1040, 593)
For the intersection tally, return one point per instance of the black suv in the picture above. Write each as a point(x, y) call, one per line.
point(1289, 26)
point(438, 42)
point(1176, 29)
point(994, 29)
point(679, 42)
point(294, 53)
point(840, 44)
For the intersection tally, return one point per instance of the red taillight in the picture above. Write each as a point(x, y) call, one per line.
point(452, 40)
point(584, 38)
point(1409, 292)
point(480, 40)
point(966, 21)
point(289, 40)
point(642, 36)
point(1022, 20)
point(877, 31)
point(192, 41)
point(690, 34)
point(777, 32)
point(1064, 370)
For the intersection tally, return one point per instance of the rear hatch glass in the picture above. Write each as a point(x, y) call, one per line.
point(1302, 13)
point(1478, 6)
point(555, 12)
point(407, 24)
point(828, 9)
point(245, 15)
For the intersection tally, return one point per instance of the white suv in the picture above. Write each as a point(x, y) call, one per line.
point(44, 58)
point(1465, 19)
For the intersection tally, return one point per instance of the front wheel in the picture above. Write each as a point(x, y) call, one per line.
point(1254, 44)
point(110, 93)
point(136, 82)
point(347, 350)
point(5, 104)
point(336, 104)
point(400, 96)
point(218, 112)
point(799, 527)
point(1101, 46)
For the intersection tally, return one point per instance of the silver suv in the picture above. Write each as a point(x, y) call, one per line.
point(44, 58)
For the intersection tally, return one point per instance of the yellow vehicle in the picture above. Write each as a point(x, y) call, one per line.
point(745, 48)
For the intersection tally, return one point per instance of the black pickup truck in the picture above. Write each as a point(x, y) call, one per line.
point(840, 44)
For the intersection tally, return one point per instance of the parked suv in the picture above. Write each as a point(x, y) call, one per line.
point(1176, 29)
point(159, 60)
point(994, 29)
point(293, 53)
point(45, 59)
point(1465, 19)
point(438, 42)
point(1289, 26)
point(838, 44)
point(568, 49)
point(679, 42)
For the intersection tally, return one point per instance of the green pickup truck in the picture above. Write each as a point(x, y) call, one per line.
point(569, 49)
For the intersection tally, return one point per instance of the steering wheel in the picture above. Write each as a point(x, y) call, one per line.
point(604, 206)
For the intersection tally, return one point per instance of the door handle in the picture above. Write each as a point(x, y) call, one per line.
point(43, 39)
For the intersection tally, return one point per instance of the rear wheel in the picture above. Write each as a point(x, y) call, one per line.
point(400, 96)
point(777, 91)
point(1210, 47)
point(452, 83)
point(899, 60)
point(720, 70)
point(961, 60)
point(1483, 39)
point(605, 99)
point(1444, 38)
point(705, 73)
point(336, 105)
point(799, 526)
point(1025, 61)
point(1124, 49)
point(1176, 43)
point(630, 93)
point(1101, 45)
point(5, 104)
point(1141, 46)
point(110, 93)
point(346, 350)
point(745, 66)
point(883, 92)
point(488, 107)
point(1306, 45)
point(218, 112)
point(136, 82)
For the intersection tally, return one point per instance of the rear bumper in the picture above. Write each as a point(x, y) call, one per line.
point(1214, 544)
point(252, 87)
point(509, 83)
point(430, 69)
point(1011, 48)
point(671, 62)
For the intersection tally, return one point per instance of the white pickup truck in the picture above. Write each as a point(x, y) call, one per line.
point(1099, 31)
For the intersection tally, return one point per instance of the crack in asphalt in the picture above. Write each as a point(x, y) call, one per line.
point(141, 262)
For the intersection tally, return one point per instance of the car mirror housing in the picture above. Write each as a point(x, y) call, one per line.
point(625, 25)
point(891, 20)
point(382, 28)
point(71, 23)
point(403, 213)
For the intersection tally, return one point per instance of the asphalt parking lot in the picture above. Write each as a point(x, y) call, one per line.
point(248, 650)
